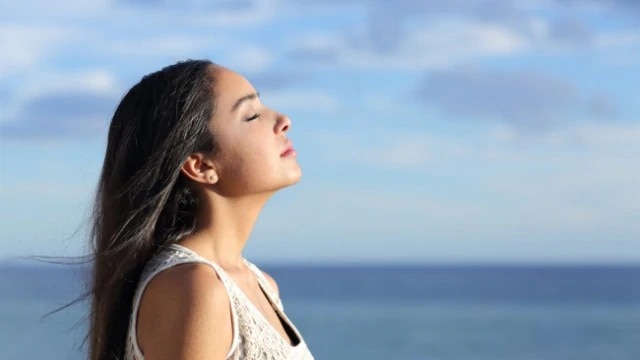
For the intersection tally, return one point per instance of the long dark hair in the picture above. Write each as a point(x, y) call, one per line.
point(143, 202)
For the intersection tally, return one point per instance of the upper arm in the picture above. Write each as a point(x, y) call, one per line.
point(185, 314)
point(272, 282)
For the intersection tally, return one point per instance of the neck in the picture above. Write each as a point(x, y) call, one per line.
point(223, 227)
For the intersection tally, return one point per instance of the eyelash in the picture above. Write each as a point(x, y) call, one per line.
point(255, 116)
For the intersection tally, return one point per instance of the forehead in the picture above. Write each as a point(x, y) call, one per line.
point(230, 86)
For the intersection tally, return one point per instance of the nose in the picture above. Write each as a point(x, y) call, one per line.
point(283, 123)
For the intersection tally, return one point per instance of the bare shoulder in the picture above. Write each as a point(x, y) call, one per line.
point(272, 282)
point(185, 313)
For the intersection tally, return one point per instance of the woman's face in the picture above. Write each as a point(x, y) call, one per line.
point(251, 140)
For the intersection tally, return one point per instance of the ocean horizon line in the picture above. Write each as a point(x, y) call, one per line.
point(20, 262)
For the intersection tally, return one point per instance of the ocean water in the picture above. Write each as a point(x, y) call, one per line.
point(383, 312)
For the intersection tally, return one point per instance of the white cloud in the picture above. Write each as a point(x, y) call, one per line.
point(539, 27)
point(94, 80)
point(42, 83)
point(619, 38)
point(27, 46)
point(387, 149)
point(393, 151)
point(307, 100)
point(251, 59)
point(439, 44)
point(51, 32)
point(619, 136)
point(519, 220)
point(582, 139)
point(259, 13)
point(619, 49)
point(247, 13)
point(579, 181)
point(158, 45)
point(42, 10)
point(412, 152)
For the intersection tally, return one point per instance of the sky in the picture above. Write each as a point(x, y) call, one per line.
point(427, 131)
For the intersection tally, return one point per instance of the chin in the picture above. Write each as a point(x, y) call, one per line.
point(293, 179)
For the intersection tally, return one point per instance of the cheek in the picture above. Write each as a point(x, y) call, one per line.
point(259, 160)
point(248, 162)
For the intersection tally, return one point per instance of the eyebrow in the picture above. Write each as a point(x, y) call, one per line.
point(255, 95)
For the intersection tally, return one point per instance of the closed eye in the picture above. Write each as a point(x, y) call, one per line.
point(253, 117)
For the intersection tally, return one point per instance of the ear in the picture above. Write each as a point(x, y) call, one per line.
point(200, 169)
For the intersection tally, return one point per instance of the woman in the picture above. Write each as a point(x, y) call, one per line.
point(191, 159)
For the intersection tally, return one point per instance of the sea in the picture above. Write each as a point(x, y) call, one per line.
point(414, 312)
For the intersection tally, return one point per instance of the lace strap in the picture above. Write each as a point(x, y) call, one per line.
point(266, 285)
point(176, 256)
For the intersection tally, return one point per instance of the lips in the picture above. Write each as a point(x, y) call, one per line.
point(289, 150)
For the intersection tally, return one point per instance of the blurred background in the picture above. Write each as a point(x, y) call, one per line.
point(470, 168)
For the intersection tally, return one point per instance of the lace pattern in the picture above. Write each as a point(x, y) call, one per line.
point(254, 338)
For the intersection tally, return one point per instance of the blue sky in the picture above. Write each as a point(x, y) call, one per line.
point(440, 131)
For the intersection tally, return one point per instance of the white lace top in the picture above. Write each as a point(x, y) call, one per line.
point(254, 338)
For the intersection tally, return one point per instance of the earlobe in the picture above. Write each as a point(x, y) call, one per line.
point(209, 171)
point(199, 169)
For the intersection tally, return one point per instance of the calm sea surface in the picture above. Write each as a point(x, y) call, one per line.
point(382, 312)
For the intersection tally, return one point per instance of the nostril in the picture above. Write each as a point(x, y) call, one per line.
point(285, 122)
